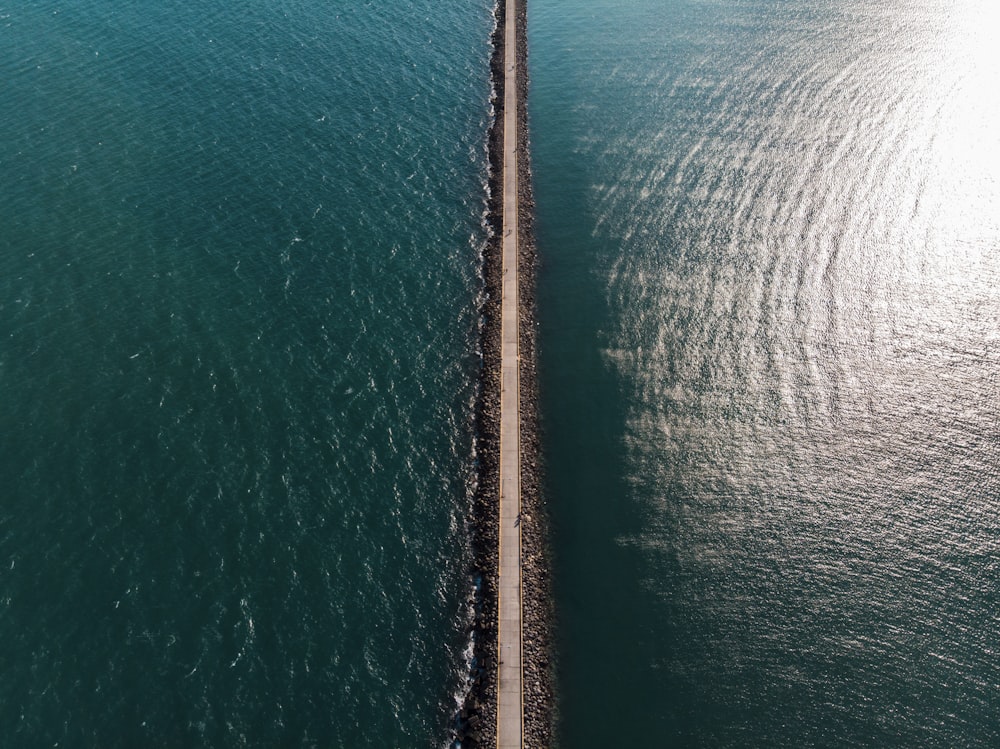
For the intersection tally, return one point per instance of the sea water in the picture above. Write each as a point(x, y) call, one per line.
point(239, 267)
point(770, 345)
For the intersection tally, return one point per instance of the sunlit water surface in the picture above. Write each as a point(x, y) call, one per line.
point(770, 345)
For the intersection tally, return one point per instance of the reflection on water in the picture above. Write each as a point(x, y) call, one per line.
point(794, 212)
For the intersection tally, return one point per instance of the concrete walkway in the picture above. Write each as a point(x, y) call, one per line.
point(510, 696)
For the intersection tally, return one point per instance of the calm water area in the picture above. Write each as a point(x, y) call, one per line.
point(240, 251)
point(770, 339)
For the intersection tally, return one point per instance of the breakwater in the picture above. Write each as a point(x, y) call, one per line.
point(477, 721)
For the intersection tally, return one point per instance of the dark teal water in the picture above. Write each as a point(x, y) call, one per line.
point(770, 339)
point(239, 252)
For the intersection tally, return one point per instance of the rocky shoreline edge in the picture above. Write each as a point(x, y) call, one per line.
point(475, 725)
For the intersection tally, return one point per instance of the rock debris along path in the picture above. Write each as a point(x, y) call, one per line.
point(510, 702)
point(509, 688)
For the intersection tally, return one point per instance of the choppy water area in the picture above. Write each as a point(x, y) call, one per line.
point(770, 308)
point(238, 269)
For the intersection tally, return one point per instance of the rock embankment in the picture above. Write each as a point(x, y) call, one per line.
point(477, 721)
point(537, 603)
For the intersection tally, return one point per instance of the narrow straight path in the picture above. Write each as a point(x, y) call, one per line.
point(510, 693)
